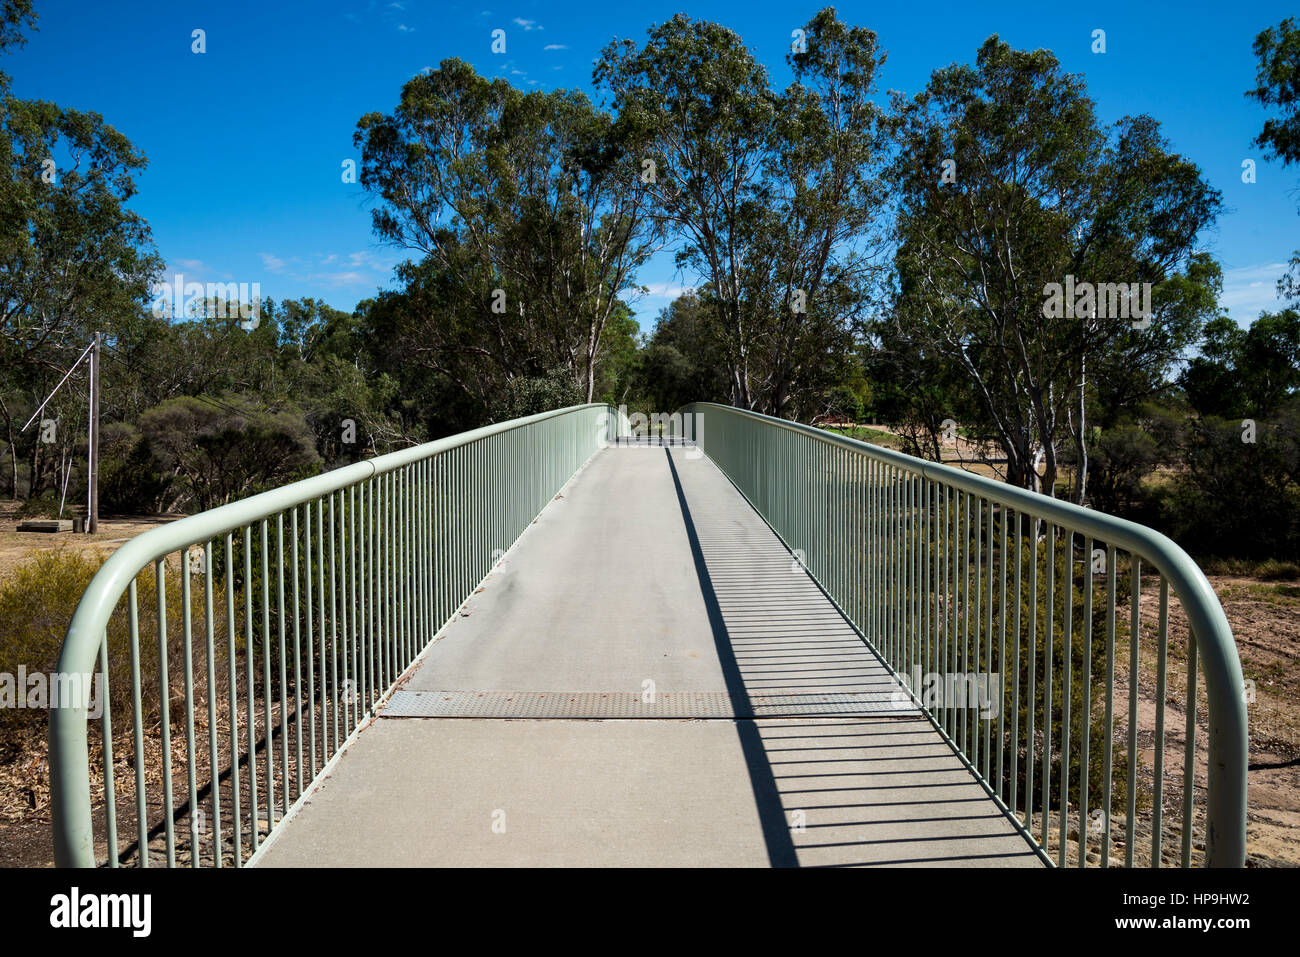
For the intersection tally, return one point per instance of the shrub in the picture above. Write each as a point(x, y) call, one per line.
point(43, 505)
point(130, 478)
point(37, 603)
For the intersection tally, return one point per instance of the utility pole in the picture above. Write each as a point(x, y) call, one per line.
point(92, 477)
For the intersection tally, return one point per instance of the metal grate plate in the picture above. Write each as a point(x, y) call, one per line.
point(666, 704)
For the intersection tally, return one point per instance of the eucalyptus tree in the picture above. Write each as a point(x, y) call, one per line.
point(771, 196)
point(1028, 233)
point(527, 218)
point(1277, 50)
point(74, 259)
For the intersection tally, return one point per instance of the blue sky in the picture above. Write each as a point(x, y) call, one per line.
point(246, 141)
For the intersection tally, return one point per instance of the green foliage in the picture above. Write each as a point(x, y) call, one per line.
point(512, 192)
point(1245, 372)
point(530, 396)
point(1122, 458)
point(772, 196)
point(682, 361)
point(1278, 51)
point(130, 477)
point(44, 505)
point(222, 453)
point(1041, 190)
point(1024, 659)
point(1034, 618)
point(1238, 498)
point(37, 600)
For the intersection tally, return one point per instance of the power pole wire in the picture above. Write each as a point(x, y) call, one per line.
point(92, 439)
point(60, 385)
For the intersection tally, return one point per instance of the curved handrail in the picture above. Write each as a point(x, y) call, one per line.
point(69, 755)
point(1228, 739)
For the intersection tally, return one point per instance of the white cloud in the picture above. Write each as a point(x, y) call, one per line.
point(666, 290)
point(528, 25)
point(1250, 290)
point(555, 46)
point(273, 263)
point(363, 268)
point(403, 28)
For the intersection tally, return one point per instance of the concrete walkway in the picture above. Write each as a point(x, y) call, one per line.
point(648, 678)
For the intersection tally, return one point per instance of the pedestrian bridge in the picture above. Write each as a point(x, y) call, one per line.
point(742, 642)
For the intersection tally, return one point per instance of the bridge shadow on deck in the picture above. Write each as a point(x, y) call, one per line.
point(874, 790)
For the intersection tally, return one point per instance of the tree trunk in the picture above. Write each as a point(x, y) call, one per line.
point(13, 448)
point(1081, 442)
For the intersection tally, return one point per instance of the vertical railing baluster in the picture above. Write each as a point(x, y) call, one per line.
point(232, 695)
point(986, 674)
point(1048, 635)
point(1002, 660)
point(214, 768)
point(106, 735)
point(1031, 693)
point(1085, 715)
point(1158, 769)
point(1108, 740)
point(252, 689)
point(1189, 753)
point(137, 727)
point(1015, 658)
point(267, 704)
point(1130, 836)
point(285, 797)
point(164, 722)
point(331, 696)
point(1067, 654)
point(187, 629)
point(297, 657)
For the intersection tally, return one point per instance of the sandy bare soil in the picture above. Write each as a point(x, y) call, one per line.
point(16, 546)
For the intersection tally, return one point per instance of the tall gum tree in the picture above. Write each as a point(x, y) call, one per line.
point(1037, 192)
point(527, 216)
point(772, 197)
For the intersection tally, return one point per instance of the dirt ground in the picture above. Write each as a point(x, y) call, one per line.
point(16, 546)
point(1265, 619)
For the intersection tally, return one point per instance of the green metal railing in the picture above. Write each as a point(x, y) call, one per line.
point(960, 582)
point(277, 624)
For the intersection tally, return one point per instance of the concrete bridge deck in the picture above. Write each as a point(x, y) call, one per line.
point(648, 678)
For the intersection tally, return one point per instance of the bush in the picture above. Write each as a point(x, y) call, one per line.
point(224, 452)
point(43, 505)
point(1239, 499)
point(1121, 458)
point(531, 396)
point(37, 603)
point(1081, 644)
point(130, 479)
